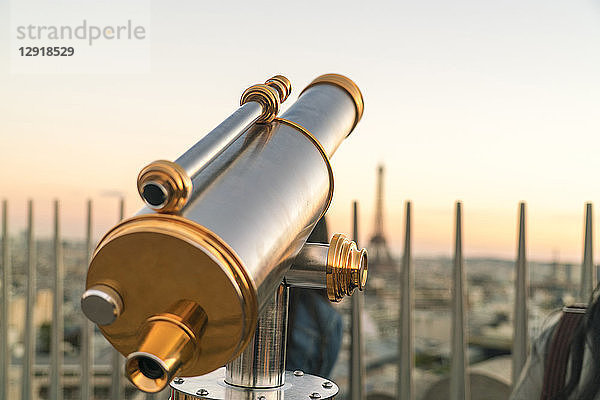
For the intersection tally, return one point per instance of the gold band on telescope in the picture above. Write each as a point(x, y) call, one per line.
point(172, 178)
point(349, 86)
point(318, 145)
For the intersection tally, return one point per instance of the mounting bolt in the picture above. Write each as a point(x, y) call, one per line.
point(327, 385)
point(315, 395)
point(178, 381)
point(202, 392)
point(298, 373)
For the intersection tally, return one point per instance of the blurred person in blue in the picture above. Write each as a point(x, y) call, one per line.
point(315, 327)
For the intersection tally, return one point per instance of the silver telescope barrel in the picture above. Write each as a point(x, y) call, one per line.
point(192, 281)
point(166, 186)
point(207, 148)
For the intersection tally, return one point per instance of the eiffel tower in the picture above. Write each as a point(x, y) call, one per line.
point(379, 253)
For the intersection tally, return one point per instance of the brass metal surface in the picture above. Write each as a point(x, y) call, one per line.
point(317, 144)
point(172, 178)
point(348, 85)
point(167, 341)
point(156, 260)
point(267, 96)
point(282, 85)
point(347, 268)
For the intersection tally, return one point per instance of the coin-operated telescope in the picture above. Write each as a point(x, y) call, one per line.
point(198, 279)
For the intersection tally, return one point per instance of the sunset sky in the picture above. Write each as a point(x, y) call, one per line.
point(485, 102)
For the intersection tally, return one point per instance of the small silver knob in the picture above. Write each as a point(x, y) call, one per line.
point(101, 304)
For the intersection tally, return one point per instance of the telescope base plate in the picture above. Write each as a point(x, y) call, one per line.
point(212, 386)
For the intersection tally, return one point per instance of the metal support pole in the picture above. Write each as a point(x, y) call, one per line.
point(87, 349)
point(588, 270)
point(357, 366)
point(262, 363)
point(56, 354)
point(520, 319)
point(405, 338)
point(117, 359)
point(4, 317)
point(459, 378)
point(29, 333)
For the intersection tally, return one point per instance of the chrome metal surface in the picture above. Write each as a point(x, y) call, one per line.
point(405, 390)
point(56, 354)
point(4, 317)
point(101, 304)
point(357, 350)
point(326, 111)
point(262, 363)
point(309, 267)
point(521, 318)
point(87, 329)
point(459, 379)
point(211, 145)
point(588, 270)
point(29, 334)
point(213, 386)
point(265, 192)
point(117, 360)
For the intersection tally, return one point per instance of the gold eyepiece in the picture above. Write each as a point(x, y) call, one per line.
point(347, 268)
point(282, 85)
point(168, 341)
point(164, 186)
point(269, 95)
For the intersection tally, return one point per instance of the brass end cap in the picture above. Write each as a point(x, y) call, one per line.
point(156, 260)
point(349, 86)
point(267, 97)
point(168, 341)
point(164, 186)
point(282, 85)
point(347, 268)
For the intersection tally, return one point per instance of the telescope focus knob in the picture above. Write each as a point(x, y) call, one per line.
point(101, 304)
point(340, 267)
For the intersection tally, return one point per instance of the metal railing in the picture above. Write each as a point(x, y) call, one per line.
point(53, 375)
point(53, 379)
point(459, 377)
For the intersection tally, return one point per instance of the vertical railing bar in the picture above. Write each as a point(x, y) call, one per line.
point(29, 333)
point(405, 338)
point(117, 358)
point(459, 378)
point(588, 270)
point(87, 350)
point(56, 355)
point(357, 366)
point(520, 319)
point(4, 317)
